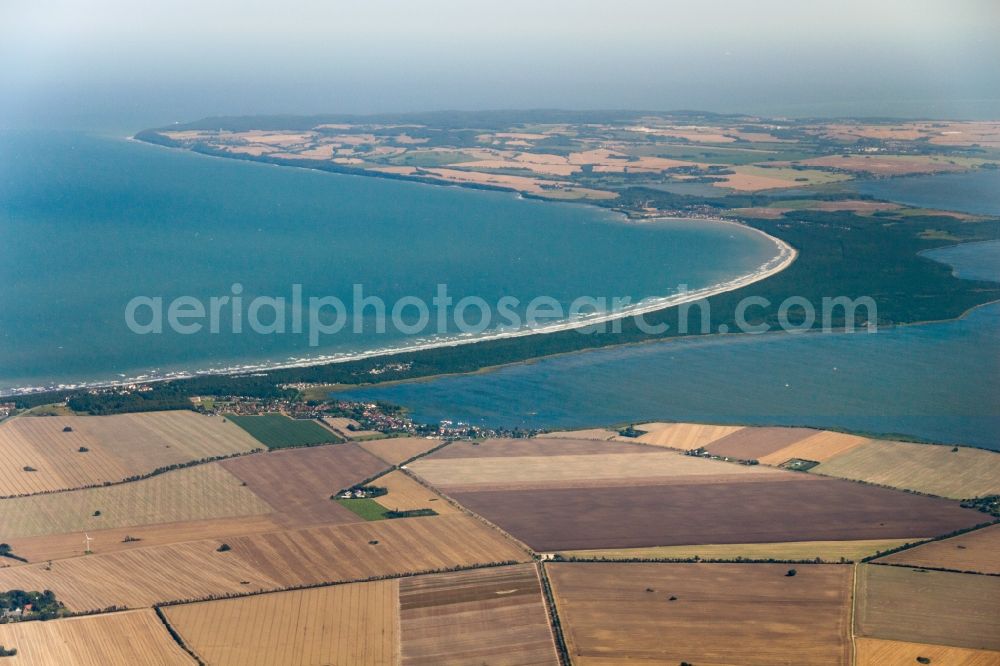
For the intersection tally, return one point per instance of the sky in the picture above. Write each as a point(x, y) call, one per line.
point(130, 64)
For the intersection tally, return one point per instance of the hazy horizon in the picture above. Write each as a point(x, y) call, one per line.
point(113, 65)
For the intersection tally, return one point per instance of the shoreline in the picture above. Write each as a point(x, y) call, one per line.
point(784, 257)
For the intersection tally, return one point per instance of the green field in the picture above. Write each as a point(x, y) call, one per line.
point(277, 431)
point(368, 509)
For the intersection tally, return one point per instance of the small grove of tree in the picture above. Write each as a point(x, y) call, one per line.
point(791, 572)
point(7, 652)
point(44, 604)
point(410, 513)
point(223, 548)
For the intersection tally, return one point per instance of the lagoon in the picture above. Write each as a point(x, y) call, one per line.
point(938, 382)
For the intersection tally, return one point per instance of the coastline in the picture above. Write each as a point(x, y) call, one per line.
point(786, 254)
point(784, 257)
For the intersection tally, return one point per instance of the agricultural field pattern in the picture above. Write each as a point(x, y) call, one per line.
point(460, 551)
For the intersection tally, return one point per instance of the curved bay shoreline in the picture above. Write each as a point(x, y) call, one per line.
point(434, 358)
point(784, 257)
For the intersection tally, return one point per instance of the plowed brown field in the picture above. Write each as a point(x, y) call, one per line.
point(799, 508)
point(298, 483)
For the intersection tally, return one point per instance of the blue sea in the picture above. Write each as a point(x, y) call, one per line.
point(89, 222)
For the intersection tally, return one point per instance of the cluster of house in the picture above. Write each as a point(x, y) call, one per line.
point(16, 613)
point(361, 492)
point(6, 409)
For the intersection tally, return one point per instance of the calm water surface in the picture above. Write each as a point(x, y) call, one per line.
point(939, 382)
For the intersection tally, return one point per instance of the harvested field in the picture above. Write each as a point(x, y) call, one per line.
point(683, 436)
point(355, 623)
point(751, 178)
point(118, 447)
point(551, 446)
point(762, 509)
point(298, 483)
point(927, 468)
point(398, 450)
point(577, 471)
point(72, 544)
point(753, 443)
point(918, 605)
point(405, 494)
point(195, 493)
point(861, 207)
point(689, 133)
point(820, 447)
point(348, 428)
point(112, 639)
point(271, 561)
point(875, 652)
point(722, 614)
point(591, 433)
point(828, 551)
point(887, 165)
point(761, 212)
point(493, 615)
point(539, 186)
point(541, 168)
point(277, 431)
point(977, 551)
point(856, 206)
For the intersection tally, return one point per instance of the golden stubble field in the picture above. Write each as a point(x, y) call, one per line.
point(113, 639)
point(195, 570)
point(553, 471)
point(876, 652)
point(682, 436)
point(356, 623)
point(117, 447)
point(195, 493)
point(827, 551)
point(938, 470)
point(406, 494)
point(397, 450)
